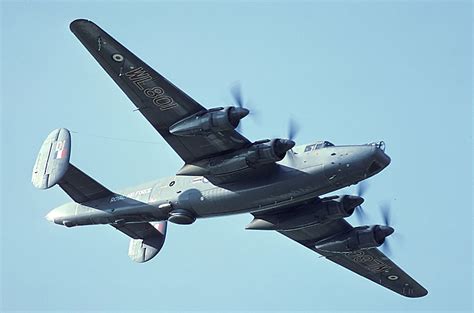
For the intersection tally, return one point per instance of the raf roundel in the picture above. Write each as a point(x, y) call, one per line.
point(117, 57)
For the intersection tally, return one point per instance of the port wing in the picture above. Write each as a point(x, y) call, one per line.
point(369, 263)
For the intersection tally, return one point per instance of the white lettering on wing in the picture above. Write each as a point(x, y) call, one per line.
point(140, 77)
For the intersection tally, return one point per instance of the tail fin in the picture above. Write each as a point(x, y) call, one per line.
point(52, 167)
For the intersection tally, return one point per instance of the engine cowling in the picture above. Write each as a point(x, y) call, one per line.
point(268, 151)
point(364, 237)
point(258, 154)
point(318, 212)
point(211, 121)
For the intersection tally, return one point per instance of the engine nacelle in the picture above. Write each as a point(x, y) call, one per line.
point(364, 237)
point(322, 211)
point(211, 121)
point(333, 208)
point(268, 151)
point(258, 154)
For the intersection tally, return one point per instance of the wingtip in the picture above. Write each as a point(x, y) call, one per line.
point(421, 292)
point(78, 23)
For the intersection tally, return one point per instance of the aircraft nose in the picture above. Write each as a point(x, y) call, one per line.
point(382, 158)
point(378, 159)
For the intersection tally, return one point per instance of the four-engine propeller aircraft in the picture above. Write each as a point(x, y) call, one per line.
point(224, 173)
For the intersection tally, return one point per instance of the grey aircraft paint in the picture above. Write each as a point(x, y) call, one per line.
point(312, 174)
point(279, 184)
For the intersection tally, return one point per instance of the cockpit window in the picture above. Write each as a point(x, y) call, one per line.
point(324, 144)
point(309, 148)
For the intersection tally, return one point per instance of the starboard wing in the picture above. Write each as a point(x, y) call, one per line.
point(161, 103)
point(369, 263)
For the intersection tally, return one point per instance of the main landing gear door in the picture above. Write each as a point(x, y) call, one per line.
point(53, 159)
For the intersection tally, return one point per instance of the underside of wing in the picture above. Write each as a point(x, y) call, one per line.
point(161, 103)
point(367, 262)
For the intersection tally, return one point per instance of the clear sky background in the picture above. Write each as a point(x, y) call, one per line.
point(348, 71)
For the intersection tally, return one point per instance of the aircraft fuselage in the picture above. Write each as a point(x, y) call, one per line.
point(301, 178)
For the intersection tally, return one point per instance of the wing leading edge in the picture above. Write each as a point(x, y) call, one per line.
point(161, 103)
point(369, 263)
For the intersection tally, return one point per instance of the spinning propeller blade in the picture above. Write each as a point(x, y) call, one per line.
point(359, 211)
point(293, 129)
point(238, 100)
point(386, 248)
point(362, 188)
point(236, 92)
point(385, 210)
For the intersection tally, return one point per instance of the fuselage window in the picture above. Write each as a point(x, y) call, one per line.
point(319, 146)
point(308, 148)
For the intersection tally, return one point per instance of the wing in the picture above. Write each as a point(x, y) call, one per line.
point(160, 102)
point(369, 263)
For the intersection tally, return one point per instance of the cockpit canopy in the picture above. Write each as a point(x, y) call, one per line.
point(318, 145)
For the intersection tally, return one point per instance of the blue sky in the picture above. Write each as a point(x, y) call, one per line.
point(348, 71)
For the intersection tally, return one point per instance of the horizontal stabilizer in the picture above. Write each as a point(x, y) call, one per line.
point(81, 187)
point(147, 239)
point(52, 167)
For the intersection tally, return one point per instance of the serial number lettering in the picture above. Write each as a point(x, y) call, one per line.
point(141, 79)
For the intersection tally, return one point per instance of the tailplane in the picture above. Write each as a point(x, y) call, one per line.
point(52, 167)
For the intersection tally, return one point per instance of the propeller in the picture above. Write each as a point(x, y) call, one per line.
point(359, 211)
point(238, 100)
point(386, 216)
point(293, 129)
point(236, 92)
point(385, 210)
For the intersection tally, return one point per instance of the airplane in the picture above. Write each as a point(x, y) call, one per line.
point(280, 184)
